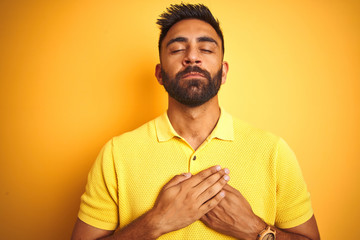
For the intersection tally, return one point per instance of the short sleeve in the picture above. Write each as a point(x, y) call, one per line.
point(99, 203)
point(293, 204)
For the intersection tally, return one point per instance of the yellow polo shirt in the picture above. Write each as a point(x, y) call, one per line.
point(132, 168)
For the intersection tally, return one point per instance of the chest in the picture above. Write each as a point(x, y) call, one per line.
point(143, 173)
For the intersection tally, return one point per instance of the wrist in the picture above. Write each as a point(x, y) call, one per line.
point(251, 232)
point(153, 222)
point(259, 226)
point(266, 233)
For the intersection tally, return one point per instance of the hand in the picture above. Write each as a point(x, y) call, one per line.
point(234, 217)
point(185, 198)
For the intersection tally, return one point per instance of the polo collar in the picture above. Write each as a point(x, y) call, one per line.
point(223, 130)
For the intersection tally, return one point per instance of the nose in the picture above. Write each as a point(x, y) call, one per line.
point(192, 57)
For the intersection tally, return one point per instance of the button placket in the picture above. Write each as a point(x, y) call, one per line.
point(194, 162)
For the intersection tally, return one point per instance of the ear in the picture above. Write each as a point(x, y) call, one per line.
point(225, 70)
point(158, 73)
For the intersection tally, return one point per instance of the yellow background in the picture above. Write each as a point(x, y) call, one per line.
point(75, 73)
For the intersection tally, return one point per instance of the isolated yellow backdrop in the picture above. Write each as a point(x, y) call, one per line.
point(75, 73)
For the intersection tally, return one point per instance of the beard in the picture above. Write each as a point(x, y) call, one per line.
point(192, 92)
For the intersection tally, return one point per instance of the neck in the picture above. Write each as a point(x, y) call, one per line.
point(194, 124)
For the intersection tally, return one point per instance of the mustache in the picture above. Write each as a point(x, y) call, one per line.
point(190, 69)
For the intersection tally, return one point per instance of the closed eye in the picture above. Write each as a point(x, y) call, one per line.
point(206, 50)
point(177, 50)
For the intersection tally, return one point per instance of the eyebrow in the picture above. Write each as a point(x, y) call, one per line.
point(207, 39)
point(178, 39)
point(199, 39)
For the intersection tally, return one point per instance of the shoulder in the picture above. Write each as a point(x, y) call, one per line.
point(262, 141)
point(144, 134)
point(244, 131)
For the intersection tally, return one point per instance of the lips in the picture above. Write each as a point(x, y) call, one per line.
point(193, 72)
point(193, 75)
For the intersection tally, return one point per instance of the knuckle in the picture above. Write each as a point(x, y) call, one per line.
point(209, 181)
point(217, 175)
point(211, 192)
point(218, 187)
point(221, 173)
point(222, 181)
point(202, 174)
point(176, 178)
point(218, 197)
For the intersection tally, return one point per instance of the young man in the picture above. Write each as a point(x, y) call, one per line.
point(136, 184)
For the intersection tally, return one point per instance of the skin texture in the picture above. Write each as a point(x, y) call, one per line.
point(205, 196)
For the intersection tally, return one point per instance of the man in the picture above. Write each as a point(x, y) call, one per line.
point(169, 179)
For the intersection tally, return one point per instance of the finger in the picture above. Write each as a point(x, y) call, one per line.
point(196, 179)
point(229, 188)
point(232, 191)
point(212, 203)
point(214, 189)
point(177, 179)
point(211, 180)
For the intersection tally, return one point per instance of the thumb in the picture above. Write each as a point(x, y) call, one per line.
point(177, 179)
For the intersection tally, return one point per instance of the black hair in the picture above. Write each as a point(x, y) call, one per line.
point(178, 12)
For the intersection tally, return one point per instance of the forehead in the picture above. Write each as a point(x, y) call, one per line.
point(191, 28)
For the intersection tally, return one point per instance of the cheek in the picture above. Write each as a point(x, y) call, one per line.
point(171, 67)
point(212, 62)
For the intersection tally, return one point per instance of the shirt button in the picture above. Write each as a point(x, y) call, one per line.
point(194, 158)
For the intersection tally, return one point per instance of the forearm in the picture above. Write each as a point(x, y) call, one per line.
point(284, 235)
point(306, 231)
point(144, 228)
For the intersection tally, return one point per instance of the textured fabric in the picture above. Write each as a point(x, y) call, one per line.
point(131, 169)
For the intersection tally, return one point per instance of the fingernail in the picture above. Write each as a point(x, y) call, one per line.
point(227, 178)
point(187, 174)
point(227, 171)
point(218, 168)
point(222, 194)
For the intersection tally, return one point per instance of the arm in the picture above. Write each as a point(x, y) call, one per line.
point(306, 231)
point(233, 216)
point(141, 228)
point(182, 201)
point(85, 231)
